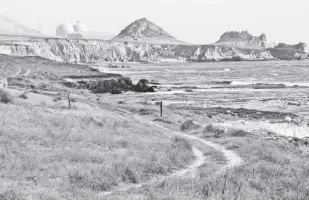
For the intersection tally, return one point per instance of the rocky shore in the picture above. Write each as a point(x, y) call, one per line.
point(113, 86)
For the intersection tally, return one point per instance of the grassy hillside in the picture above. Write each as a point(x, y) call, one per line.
point(50, 152)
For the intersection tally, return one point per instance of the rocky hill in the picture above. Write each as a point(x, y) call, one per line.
point(143, 30)
point(243, 39)
point(11, 27)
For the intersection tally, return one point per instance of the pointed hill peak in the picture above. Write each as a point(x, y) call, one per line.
point(144, 30)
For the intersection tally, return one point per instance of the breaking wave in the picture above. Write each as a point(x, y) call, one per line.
point(286, 84)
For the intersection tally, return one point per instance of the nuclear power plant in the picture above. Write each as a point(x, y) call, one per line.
point(79, 31)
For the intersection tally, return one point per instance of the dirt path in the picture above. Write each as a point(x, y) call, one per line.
point(233, 159)
point(200, 158)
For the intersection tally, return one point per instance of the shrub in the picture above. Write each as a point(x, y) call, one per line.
point(213, 130)
point(130, 176)
point(190, 125)
point(24, 96)
point(5, 97)
point(182, 143)
point(56, 99)
point(239, 133)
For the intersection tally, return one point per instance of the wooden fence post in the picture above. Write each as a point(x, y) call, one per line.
point(253, 173)
point(69, 101)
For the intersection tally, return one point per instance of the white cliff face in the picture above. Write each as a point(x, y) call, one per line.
point(91, 51)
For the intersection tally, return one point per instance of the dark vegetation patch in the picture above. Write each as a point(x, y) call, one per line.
point(241, 113)
point(5, 97)
point(190, 125)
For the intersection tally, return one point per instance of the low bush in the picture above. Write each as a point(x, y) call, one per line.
point(56, 99)
point(5, 97)
point(238, 133)
point(213, 131)
point(24, 96)
point(190, 125)
point(181, 143)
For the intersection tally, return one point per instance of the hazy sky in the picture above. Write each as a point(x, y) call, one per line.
point(195, 21)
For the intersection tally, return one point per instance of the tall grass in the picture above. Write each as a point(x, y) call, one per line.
point(271, 170)
point(47, 154)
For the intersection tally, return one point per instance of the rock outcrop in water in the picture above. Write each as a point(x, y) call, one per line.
point(114, 85)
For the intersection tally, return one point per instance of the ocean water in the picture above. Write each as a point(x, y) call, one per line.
point(207, 75)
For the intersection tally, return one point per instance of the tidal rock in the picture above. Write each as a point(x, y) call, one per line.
point(113, 85)
point(143, 87)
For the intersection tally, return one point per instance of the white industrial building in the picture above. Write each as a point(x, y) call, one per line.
point(79, 31)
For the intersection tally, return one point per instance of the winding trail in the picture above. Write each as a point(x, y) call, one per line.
point(233, 159)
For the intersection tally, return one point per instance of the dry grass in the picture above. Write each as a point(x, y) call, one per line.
point(48, 154)
point(213, 131)
point(272, 170)
point(219, 131)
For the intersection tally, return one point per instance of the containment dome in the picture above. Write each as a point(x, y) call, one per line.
point(79, 27)
point(64, 29)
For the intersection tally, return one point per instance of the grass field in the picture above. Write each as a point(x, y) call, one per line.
point(60, 154)
point(272, 170)
point(106, 142)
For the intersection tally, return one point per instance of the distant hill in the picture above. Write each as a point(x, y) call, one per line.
point(11, 27)
point(143, 30)
point(243, 39)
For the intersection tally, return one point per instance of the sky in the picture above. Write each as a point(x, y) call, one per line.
point(194, 21)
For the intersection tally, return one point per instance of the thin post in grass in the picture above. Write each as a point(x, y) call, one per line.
point(69, 101)
point(161, 108)
point(145, 103)
point(253, 173)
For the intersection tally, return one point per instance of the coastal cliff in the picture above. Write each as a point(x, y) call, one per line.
point(93, 51)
